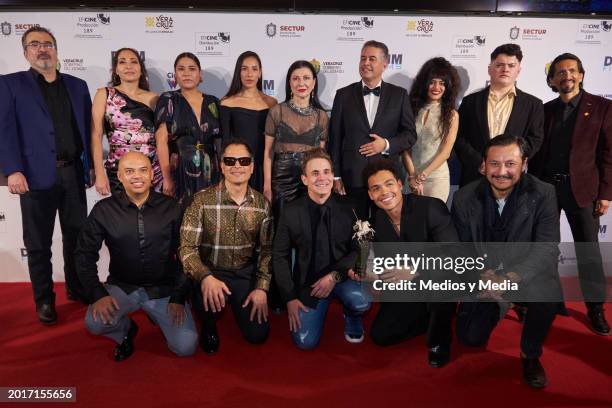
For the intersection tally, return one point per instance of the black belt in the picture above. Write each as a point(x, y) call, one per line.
point(289, 155)
point(558, 178)
point(63, 163)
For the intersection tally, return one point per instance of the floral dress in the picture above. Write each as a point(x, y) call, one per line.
point(129, 126)
point(192, 143)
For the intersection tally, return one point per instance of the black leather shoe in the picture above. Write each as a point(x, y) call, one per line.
point(599, 324)
point(209, 343)
point(126, 348)
point(439, 356)
point(46, 313)
point(533, 372)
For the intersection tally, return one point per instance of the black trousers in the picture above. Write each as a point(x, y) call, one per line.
point(360, 201)
point(396, 322)
point(585, 228)
point(240, 287)
point(38, 211)
point(476, 321)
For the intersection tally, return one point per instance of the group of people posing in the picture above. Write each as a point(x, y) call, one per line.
point(235, 201)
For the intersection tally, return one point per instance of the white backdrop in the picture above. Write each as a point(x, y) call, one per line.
point(86, 39)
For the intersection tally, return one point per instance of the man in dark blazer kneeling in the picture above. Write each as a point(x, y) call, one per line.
point(409, 219)
point(518, 213)
point(319, 227)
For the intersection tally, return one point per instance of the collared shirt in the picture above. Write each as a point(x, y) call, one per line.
point(315, 210)
point(68, 145)
point(219, 234)
point(565, 115)
point(498, 111)
point(142, 243)
point(371, 103)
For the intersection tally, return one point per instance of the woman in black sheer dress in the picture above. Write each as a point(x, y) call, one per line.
point(293, 127)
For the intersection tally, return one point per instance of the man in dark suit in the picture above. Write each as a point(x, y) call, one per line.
point(45, 121)
point(508, 207)
point(319, 227)
point(576, 157)
point(369, 118)
point(415, 219)
point(499, 108)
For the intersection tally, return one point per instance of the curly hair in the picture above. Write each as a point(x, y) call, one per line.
point(436, 68)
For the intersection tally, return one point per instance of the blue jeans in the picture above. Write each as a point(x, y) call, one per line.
point(353, 297)
point(182, 340)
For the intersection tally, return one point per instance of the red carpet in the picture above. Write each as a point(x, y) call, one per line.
point(337, 374)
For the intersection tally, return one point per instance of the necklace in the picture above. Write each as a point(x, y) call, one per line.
point(308, 110)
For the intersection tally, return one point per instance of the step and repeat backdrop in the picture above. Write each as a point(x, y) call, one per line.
point(87, 38)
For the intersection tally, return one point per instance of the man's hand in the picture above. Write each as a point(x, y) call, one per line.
point(339, 187)
point(323, 287)
point(376, 146)
point(259, 298)
point(293, 312)
point(354, 275)
point(17, 183)
point(105, 309)
point(490, 275)
point(177, 313)
point(213, 293)
point(396, 275)
point(601, 207)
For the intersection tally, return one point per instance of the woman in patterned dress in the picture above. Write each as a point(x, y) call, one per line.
point(123, 112)
point(188, 132)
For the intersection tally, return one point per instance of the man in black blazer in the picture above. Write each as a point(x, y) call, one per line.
point(409, 218)
point(369, 118)
point(497, 109)
point(319, 227)
point(508, 206)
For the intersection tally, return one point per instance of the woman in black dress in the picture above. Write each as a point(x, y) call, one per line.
point(245, 108)
point(293, 127)
point(188, 132)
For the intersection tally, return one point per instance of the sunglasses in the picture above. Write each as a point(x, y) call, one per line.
point(231, 161)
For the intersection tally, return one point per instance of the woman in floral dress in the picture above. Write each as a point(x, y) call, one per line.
point(124, 113)
point(188, 136)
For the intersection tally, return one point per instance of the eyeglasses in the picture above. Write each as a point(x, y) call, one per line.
point(231, 161)
point(45, 45)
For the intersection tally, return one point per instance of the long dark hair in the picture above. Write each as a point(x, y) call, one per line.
point(143, 81)
point(314, 95)
point(436, 68)
point(236, 84)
